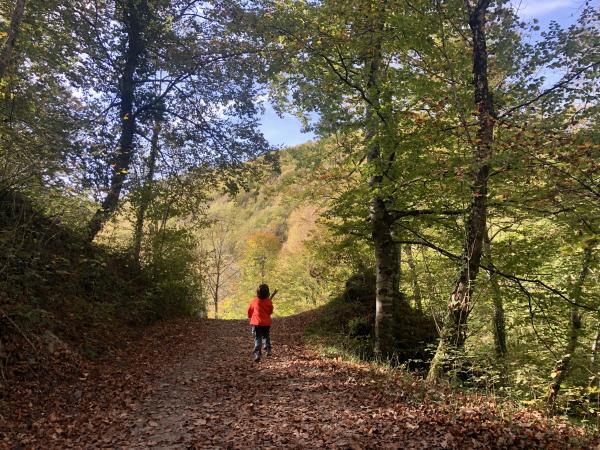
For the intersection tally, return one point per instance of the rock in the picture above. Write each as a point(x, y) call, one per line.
point(53, 343)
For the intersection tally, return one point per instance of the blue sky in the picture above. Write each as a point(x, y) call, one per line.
point(285, 131)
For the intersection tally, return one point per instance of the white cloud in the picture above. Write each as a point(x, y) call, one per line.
point(528, 9)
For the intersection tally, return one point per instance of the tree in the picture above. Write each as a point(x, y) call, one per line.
point(259, 256)
point(562, 367)
point(453, 334)
point(146, 192)
point(220, 261)
point(135, 18)
point(11, 38)
point(340, 65)
point(183, 60)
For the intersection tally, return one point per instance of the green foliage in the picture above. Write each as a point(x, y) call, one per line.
point(177, 287)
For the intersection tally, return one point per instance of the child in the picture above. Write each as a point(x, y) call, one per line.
point(259, 313)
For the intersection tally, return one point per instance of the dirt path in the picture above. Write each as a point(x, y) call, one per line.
point(193, 385)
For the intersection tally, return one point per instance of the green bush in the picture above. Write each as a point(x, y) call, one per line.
point(176, 284)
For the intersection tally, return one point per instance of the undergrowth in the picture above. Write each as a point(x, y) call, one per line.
point(61, 296)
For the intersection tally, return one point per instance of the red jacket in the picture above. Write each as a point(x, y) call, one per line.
point(259, 311)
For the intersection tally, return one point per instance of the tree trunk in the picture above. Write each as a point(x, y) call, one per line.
point(146, 196)
point(594, 355)
point(498, 320)
point(11, 39)
point(216, 295)
point(387, 255)
point(415, 281)
point(122, 160)
point(454, 330)
point(387, 265)
point(563, 365)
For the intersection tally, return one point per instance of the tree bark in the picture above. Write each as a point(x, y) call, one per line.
point(563, 365)
point(11, 39)
point(454, 330)
point(415, 281)
point(146, 196)
point(132, 22)
point(498, 320)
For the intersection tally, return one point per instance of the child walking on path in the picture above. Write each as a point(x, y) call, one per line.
point(259, 313)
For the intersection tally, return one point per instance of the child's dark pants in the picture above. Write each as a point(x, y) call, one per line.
point(261, 336)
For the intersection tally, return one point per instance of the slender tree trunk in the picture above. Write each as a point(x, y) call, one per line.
point(454, 331)
point(387, 255)
point(216, 295)
point(563, 365)
point(122, 160)
point(415, 281)
point(146, 197)
point(11, 39)
point(498, 320)
point(593, 368)
point(594, 355)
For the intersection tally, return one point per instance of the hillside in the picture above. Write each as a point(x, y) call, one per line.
point(268, 233)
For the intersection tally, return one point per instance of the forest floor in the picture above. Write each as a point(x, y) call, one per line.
point(191, 384)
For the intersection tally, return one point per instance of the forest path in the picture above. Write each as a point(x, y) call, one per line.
point(191, 384)
point(217, 397)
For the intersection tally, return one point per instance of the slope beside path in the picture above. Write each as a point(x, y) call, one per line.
point(192, 385)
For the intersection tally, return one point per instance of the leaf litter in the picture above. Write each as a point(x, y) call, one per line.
point(191, 384)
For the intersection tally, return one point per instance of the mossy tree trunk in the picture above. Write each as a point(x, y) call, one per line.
point(387, 254)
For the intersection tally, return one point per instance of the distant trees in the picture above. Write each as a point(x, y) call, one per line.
point(259, 256)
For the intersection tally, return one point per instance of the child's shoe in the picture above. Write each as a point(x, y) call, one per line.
point(256, 357)
point(269, 352)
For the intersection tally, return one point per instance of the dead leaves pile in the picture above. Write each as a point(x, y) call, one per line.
point(192, 385)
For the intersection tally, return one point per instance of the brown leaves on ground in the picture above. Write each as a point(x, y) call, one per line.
point(192, 385)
